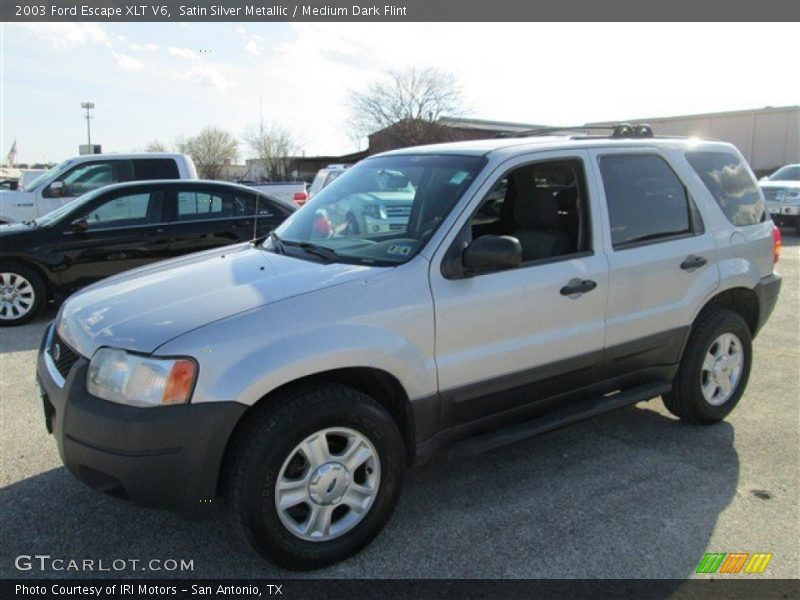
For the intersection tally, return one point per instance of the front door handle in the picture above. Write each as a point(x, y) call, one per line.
point(578, 286)
point(693, 262)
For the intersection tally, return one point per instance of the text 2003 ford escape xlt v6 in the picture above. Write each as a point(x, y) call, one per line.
point(524, 284)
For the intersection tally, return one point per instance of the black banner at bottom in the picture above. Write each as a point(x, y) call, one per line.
point(418, 589)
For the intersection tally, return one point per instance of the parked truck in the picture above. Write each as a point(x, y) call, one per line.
point(76, 176)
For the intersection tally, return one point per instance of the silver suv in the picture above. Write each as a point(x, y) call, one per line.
point(534, 282)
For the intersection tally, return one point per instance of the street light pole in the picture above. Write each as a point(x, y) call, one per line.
point(88, 106)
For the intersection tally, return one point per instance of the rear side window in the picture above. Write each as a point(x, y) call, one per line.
point(245, 206)
point(195, 206)
point(154, 168)
point(646, 200)
point(732, 184)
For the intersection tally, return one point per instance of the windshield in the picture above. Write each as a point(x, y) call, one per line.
point(383, 210)
point(44, 177)
point(56, 215)
point(787, 173)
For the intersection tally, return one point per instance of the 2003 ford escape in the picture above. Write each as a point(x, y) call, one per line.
point(467, 294)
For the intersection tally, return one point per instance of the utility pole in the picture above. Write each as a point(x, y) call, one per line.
point(88, 106)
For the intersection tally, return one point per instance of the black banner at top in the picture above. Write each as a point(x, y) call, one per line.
point(398, 10)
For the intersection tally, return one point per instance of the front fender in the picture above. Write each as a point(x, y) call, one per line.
point(385, 323)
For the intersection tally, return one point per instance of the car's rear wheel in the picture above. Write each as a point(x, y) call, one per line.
point(22, 294)
point(315, 475)
point(714, 370)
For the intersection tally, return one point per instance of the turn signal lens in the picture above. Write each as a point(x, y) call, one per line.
point(777, 244)
point(179, 382)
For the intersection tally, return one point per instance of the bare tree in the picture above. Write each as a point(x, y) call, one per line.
point(156, 146)
point(273, 145)
point(210, 150)
point(412, 100)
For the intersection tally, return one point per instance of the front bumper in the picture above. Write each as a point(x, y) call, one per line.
point(767, 291)
point(163, 457)
point(784, 210)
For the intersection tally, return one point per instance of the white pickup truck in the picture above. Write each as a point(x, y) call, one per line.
point(81, 174)
point(289, 191)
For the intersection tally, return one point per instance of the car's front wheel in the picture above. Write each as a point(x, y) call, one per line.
point(22, 294)
point(714, 370)
point(315, 475)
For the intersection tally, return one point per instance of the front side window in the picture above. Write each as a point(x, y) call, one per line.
point(88, 177)
point(646, 200)
point(383, 210)
point(732, 185)
point(124, 211)
point(544, 205)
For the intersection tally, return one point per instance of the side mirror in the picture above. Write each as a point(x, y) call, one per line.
point(764, 178)
point(80, 226)
point(492, 253)
point(57, 189)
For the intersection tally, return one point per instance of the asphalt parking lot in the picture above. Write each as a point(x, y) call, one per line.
point(630, 494)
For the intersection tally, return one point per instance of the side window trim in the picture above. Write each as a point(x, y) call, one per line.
point(694, 217)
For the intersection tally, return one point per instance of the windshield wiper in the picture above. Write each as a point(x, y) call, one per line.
point(328, 254)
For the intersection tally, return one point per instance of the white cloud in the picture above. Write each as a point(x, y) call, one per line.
point(183, 53)
point(136, 47)
point(253, 48)
point(151, 47)
point(69, 35)
point(128, 63)
point(209, 76)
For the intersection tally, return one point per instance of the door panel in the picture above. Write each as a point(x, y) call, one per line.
point(123, 231)
point(515, 329)
point(651, 296)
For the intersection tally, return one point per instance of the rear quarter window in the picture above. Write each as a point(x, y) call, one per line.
point(732, 185)
point(154, 168)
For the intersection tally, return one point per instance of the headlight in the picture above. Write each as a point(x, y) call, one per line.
point(793, 195)
point(125, 378)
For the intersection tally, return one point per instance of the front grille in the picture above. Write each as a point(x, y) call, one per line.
point(777, 194)
point(770, 193)
point(398, 211)
point(63, 356)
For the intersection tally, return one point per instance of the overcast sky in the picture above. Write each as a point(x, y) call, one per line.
point(158, 81)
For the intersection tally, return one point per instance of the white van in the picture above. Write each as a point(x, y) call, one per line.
point(82, 174)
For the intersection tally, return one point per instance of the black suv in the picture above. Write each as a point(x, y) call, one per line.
point(120, 227)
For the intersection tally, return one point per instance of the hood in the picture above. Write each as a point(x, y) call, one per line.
point(17, 227)
point(780, 184)
point(142, 309)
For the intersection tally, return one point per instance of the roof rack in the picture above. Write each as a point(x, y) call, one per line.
point(618, 130)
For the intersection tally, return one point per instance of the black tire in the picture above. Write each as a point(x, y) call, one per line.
point(8, 316)
point(797, 225)
point(686, 400)
point(266, 441)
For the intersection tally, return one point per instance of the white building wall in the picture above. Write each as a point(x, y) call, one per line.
point(768, 137)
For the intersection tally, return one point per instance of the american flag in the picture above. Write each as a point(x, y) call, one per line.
point(12, 154)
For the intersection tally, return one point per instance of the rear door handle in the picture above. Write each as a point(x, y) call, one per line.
point(693, 262)
point(578, 286)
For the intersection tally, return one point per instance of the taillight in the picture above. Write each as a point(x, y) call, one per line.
point(300, 198)
point(777, 242)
